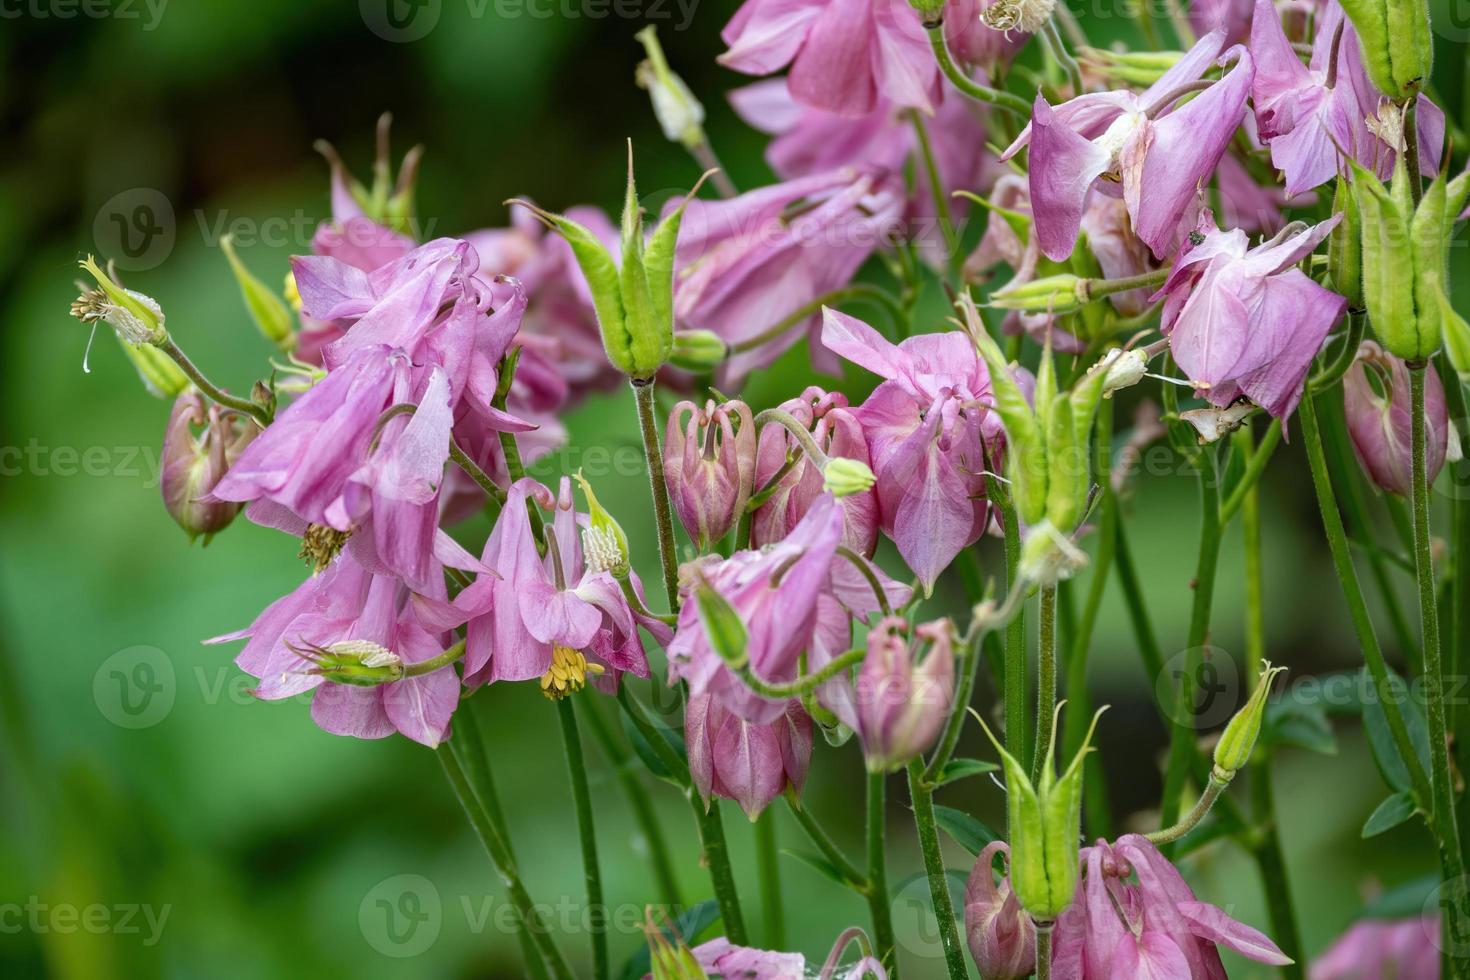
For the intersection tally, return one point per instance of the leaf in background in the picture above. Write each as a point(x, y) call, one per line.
point(1385, 752)
point(821, 864)
point(970, 833)
point(956, 769)
point(1305, 726)
point(688, 925)
point(645, 751)
point(1390, 813)
point(1403, 902)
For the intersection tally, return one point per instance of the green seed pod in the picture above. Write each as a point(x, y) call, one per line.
point(1388, 264)
point(1238, 741)
point(161, 376)
point(1025, 439)
point(266, 307)
point(1429, 234)
point(1345, 247)
point(1049, 294)
point(698, 350)
point(1396, 42)
point(722, 625)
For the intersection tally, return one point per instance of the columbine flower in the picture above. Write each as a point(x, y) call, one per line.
point(1160, 156)
point(193, 464)
point(1311, 115)
point(560, 618)
point(1378, 419)
point(709, 465)
point(1136, 916)
point(1001, 935)
point(748, 762)
point(745, 264)
point(1243, 322)
point(930, 430)
point(1381, 950)
point(340, 624)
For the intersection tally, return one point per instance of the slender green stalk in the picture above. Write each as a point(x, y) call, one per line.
point(768, 871)
point(1213, 788)
point(999, 98)
point(1017, 737)
point(492, 835)
point(858, 290)
point(878, 904)
point(1347, 577)
point(1043, 949)
point(852, 877)
point(643, 391)
point(587, 832)
point(1182, 738)
point(476, 473)
point(620, 757)
point(1057, 48)
point(1046, 678)
point(936, 189)
point(1411, 148)
point(215, 392)
point(717, 857)
point(1251, 477)
point(1446, 822)
point(949, 937)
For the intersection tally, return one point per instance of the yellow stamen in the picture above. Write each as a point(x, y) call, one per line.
point(568, 673)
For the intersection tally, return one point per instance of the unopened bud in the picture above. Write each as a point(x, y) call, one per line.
point(678, 112)
point(1237, 743)
point(192, 464)
point(843, 477)
point(1121, 369)
point(160, 374)
point(699, 351)
point(1375, 402)
point(1049, 556)
point(709, 466)
point(900, 702)
point(1396, 43)
point(669, 957)
point(1050, 294)
point(137, 318)
point(267, 309)
point(1141, 68)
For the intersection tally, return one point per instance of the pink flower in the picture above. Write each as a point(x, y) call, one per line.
point(347, 611)
point(1160, 156)
point(745, 264)
point(1242, 321)
point(1135, 916)
point(1378, 419)
point(1311, 115)
point(1373, 950)
point(930, 430)
point(1001, 935)
point(751, 763)
point(709, 466)
point(844, 54)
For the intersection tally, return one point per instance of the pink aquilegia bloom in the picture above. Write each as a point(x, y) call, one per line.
point(1242, 321)
point(1159, 156)
point(789, 600)
point(191, 465)
point(930, 432)
point(748, 762)
point(1001, 935)
point(1379, 424)
point(347, 611)
point(810, 141)
point(561, 618)
point(1135, 916)
point(844, 54)
point(722, 960)
point(1382, 950)
point(838, 432)
point(745, 264)
point(900, 698)
point(709, 466)
point(1231, 16)
point(1310, 115)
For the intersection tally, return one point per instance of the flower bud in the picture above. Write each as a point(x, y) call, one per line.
point(1048, 556)
point(739, 760)
point(603, 542)
point(669, 957)
point(709, 466)
point(193, 464)
point(1001, 935)
point(160, 374)
point(1050, 294)
point(900, 703)
point(843, 477)
point(266, 308)
point(1121, 369)
point(138, 319)
point(1375, 400)
point(679, 113)
point(1237, 743)
point(722, 625)
point(1045, 822)
point(1396, 43)
point(360, 663)
point(699, 351)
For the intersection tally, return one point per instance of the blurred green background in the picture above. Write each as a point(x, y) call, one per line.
point(156, 820)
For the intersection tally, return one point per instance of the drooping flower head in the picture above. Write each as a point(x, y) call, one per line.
point(192, 464)
point(1375, 400)
point(749, 762)
point(709, 466)
point(1001, 935)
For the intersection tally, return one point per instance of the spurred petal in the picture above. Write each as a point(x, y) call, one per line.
point(1213, 925)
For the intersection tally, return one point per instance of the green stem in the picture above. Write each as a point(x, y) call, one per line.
point(1192, 819)
point(1246, 485)
point(1046, 679)
point(717, 858)
point(643, 391)
point(858, 290)
point(1271, 860)
point(1182, 739)
point(768, 870)
point(1057, 48)
point(1446, 822)
point(473, 470)
point(878, 904)
point(493, 836)
point(806, 683)
point(1017, 736)
point(936, 189)
point(999, 98)
point(215, 392)
point(435, 663)
point(853, 878)
point(586, 829)
point(1043, 949)
point(923, 800)
point(622, 762)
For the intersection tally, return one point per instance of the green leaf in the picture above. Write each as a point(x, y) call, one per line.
point(687, 925)
point(956, 769)
point(1390, 813)
point(1404, 901)
point(821, 864)
point(646, 753)
point(1304, 726)
point(1385, 752)
point(968, 832)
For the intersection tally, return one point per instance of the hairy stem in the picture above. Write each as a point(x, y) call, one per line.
point(798, 316)
point(878, 904)
point(768, 871)
point(999, 98)
point(215, 392)
point(643, 391)
point(586, 830)
point(949, 937)
point(1046, 678)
